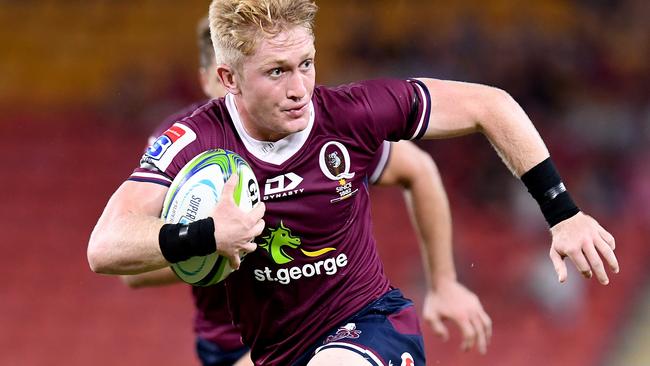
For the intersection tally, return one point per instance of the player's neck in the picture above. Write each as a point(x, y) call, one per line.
point(255, 128)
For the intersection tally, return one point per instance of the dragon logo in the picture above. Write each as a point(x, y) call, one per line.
point(280, 239)
point(276, 241)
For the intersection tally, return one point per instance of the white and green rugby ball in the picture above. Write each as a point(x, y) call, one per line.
point(193, 195)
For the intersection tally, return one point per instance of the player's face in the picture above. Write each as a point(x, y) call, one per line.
point(276, 84)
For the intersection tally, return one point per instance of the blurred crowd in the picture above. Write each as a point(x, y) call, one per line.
point(579, 69)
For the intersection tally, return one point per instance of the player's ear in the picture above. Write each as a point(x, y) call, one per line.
point(227, 76)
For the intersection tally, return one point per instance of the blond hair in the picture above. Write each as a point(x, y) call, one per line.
point(237, 25)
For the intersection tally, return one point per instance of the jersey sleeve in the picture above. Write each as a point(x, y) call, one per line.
point(161, 128)
point(160, 161)
point(379, 162)
point(175, 147)
point(398, 109)
point(376, 110)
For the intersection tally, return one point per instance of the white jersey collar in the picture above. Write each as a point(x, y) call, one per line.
point(271, 152)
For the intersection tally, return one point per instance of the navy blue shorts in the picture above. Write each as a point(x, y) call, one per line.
point(385, 332)
point(212, 355)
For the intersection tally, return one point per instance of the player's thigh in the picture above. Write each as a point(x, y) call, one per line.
point(338, 357)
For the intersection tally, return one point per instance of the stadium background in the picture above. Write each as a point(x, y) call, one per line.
point(82, 83)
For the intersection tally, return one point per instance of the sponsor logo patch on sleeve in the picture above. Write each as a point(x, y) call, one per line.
point(163, 150)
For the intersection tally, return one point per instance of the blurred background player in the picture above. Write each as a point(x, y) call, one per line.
point(403, 164)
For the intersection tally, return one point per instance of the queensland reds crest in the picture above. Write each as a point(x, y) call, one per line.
point(334, 161)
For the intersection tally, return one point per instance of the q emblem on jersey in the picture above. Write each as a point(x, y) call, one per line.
point(334, 161)
point(167, 146)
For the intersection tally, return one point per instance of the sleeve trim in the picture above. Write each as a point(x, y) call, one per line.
point(425, 98)
point(382, 163)
point(144, 175)
point(150, 178)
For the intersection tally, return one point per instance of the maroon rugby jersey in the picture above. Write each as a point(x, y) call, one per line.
point(212, 320)
point(316, 263)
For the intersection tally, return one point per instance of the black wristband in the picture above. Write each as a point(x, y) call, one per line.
point(179, 242)
point(545, 185)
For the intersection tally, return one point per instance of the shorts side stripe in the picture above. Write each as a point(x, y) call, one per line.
point(364, 352)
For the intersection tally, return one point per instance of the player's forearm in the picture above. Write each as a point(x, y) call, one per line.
point(429, 209)
point(430, 213)
point(512, 133)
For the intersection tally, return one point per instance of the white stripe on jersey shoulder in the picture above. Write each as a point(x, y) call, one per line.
point(381, 164)
point(271, 152)
point(150, 175)
point(423, 99)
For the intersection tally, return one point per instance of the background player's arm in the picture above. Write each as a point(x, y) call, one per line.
point(461, 108)
point(159, 277)
point(414, 170)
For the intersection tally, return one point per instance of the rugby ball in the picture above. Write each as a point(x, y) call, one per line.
point(192, 196)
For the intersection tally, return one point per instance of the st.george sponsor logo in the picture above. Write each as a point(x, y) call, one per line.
point(281, 245)
point(329, 267)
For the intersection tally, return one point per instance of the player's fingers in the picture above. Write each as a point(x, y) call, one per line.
point(234, 261)
point(559, 265)
point(258, 228)
point(249, 248)
point(469, 334)
point(608, 238)
point(596, 263)
point(480, 335)
point(439, 327)
point(258, 211)
point(487, 324)
point(229, 188)
point(608, 253)
point(578, 258)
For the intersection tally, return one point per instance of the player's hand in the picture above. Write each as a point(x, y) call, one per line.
point(582, 239)
point(234, 229)
point(451, 300)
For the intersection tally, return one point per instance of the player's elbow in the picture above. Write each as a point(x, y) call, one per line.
point(425, 162)
point(498, 105)
point(96, 259)
point(98, 254)
point(419, 167)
